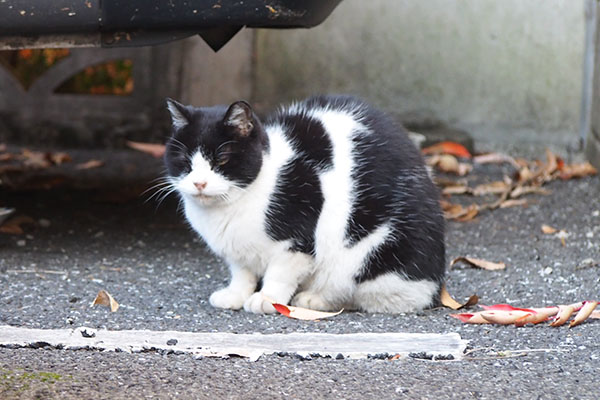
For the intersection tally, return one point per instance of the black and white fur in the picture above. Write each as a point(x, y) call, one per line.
point(327, 204)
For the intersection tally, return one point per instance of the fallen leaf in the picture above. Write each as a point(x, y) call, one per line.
point(497, 187)
point(585, 311)
point(479, 263)
point(458, 212)
point(456, 189)
point(505, 314)
point(447, 301)
point(449, 164)
point(577, 170)
point(13, 226)
point(59, 158)
point(154, 149)
point(563, 315)
point(89, 164)
point(35, 159)
point(302, 313)
point(504, 317)
point(496, 158)
point(523, 190)
point(471, 212)
point(513, 203)
point(455, 149)
point(105, 299)
point(548, 230)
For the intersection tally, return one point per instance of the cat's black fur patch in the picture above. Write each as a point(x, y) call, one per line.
point(296, 204)
point(206, 131)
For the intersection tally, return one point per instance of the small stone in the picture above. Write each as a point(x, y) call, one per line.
point(88, 332)
point(21, 243)
point(339, 356)
point(44, 223)
point(171, 342)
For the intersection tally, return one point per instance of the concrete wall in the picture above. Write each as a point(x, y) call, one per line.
point(209, 78)
point(502, 69)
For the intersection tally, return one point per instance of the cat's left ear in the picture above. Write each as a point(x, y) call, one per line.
point(239, 117)
point(180, 114)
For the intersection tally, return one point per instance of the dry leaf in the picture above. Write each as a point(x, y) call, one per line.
point(13, 225)
point(548, 230)
point(506, 314)
point(447, 301)
point(479, 263)
point(154, 149)
point(497, 187)
point(105, 299)
point(496, 158)
point(452, 148)
point(59, 158)
point(449, 164)
point(513, 203)
point(89, 164)
point(523, 190)
point(577, 170)
point(456, 189)
point(35, 159)
point(458, 212)
point(303, 313)
point(585, 311)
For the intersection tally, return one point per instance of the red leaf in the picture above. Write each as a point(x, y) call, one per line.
point(506, 307)
point(464, 317)
point(453, 148)
point(282, 309)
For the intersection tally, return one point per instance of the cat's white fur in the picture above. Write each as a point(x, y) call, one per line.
point(232, 222)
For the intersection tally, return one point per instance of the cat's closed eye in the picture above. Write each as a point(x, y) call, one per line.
point(222, 159)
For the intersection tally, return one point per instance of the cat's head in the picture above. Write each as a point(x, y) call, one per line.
point(214, 153)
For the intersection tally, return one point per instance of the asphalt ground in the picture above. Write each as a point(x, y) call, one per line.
point(94, 231)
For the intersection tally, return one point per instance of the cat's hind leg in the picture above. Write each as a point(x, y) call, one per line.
point(392, 293)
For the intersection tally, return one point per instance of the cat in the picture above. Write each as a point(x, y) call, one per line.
point(326, 204)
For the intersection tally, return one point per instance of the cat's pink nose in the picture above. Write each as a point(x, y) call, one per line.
point(200, 185)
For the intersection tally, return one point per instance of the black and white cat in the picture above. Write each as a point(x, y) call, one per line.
point(327, 204)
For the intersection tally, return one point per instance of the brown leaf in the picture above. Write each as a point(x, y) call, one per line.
point(496, 158)
point(456, 189)
point(449, 164)
point(59, 158)
point(89, 164)
point(154, 149)
point(548, 230)
point(523, 190)
point(564, 313)
point(577, 170)
point(497, 187)
point(585, 311)
point(479, 263)
point(13, 226)
point(447, 301)
point(513, 203)
point(470, 213)
point(105, 299)
point(35, 159)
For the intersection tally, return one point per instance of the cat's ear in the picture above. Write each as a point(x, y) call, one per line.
point(179, 113)
point(239, 117)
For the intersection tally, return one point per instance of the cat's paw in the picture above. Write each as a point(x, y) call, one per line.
point(227, 298)
point(258, 304)
point(311, 300)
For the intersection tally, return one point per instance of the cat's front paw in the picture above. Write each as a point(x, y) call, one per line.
point(311, 301)
point(227, 298)
point(258, 304)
